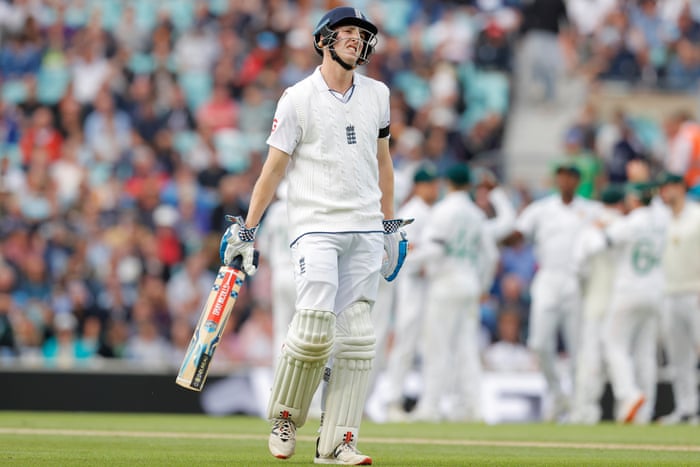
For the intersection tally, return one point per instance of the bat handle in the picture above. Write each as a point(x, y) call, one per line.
point(237, 262)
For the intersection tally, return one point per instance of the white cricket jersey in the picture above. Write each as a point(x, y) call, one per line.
point(599, 266)
point(332, 141)
point(456, 233)
point(639, 238)
point(681, 260)
point(417, 209)
point(501, 225)
point(554, 227)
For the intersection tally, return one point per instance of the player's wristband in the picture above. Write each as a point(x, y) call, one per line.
point(245, 234)
point(392, 225)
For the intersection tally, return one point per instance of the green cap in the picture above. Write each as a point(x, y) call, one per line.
point(612, 194)
point(641, 190)
point(667, 178)
point(425, 173)
point(459, 174)
point(567, 166)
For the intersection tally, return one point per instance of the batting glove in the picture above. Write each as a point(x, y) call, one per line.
point(238, 241)
point(395, 247)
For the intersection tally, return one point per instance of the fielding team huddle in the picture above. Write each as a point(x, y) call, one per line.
point(330, 143)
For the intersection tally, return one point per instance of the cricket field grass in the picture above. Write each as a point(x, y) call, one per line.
point(101, 439)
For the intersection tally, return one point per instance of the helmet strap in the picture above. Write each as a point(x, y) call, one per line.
point(335, 57)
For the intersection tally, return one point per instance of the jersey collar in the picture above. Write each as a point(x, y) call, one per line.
point(320, 83)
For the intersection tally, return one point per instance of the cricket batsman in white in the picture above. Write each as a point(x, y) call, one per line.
point(330, 137)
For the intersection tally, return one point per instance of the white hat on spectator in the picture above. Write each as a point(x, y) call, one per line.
point(65, 322)
point(165, 215)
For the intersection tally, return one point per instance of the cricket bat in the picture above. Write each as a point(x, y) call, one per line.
point(212, 320)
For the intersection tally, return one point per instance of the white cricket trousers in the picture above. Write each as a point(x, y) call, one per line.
point(630, 335)
point(590, 372)
point(556, 304)
point(451, 362)
point(681, 334)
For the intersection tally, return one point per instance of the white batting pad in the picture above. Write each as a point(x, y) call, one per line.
point(349, 379)
point(307, 347)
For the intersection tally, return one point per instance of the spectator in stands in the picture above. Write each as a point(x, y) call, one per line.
point(41, 135)
point(38, 201)
point(9, 124)
point(8, 343)
point(128, 33)
point(89, 341)
point(648, 32)
point(69, 116)
point(115, 341)
point(516, 269)
point(195, 50)
point(180, 336)
point(20, 56)
point(89, 72)
point(178, 118)
point(619, 145)
point(107, 129)
point(493, 50)
point(588, 163)
point(509, 353)
point(62, 348)
point(683, 155)
point(233, 190)
point(219, 112)
point(683, 68)
point(188, 288)
point(613, 56)
point(146, 346)
point(541, 58)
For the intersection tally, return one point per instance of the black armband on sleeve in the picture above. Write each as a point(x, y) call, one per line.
point(384, 132)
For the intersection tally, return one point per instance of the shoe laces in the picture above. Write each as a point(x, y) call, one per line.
point(284, 428)
point(346, 448)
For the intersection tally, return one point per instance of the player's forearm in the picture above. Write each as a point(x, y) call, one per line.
point(273, 172)
point(386, 178)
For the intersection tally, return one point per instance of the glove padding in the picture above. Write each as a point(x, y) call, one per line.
point(238, 241)
point(395, 247)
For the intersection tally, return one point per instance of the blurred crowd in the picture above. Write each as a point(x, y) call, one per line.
point(128, 129)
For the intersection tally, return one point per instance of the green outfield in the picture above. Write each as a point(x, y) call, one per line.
point(63, 439)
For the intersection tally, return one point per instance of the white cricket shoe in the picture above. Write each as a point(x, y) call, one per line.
point(630, 407)
point(343, 454)
point(283, 438)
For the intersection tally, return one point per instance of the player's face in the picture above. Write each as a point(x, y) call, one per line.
point(567, 182)
point(349, 42)
point(670, 193)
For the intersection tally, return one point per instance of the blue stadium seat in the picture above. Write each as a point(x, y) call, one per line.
point(181, 12)
point(51, 84)
point(415, 89)
point(183, 141)
point(141, 63)
point(14, 91)
point(197, 87)
point(648, 131)
point(232, 150)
